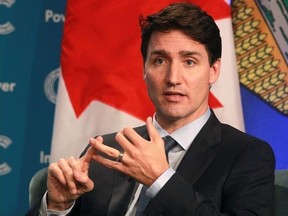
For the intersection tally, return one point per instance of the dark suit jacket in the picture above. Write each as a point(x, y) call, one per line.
point(224, 172)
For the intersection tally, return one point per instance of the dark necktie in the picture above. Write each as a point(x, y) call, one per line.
point(143, 199)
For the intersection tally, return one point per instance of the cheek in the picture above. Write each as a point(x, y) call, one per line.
point(202, 80)
point(198, 87)
point(152, 80)
point(151, 84)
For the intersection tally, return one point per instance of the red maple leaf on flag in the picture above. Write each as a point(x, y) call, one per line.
point(101, 57)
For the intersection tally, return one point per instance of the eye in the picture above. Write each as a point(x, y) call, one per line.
point(189, 62)
point(159, 61)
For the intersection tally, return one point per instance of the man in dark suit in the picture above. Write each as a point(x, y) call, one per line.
point(213, 168)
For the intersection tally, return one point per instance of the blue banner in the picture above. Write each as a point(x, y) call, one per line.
point(30, 40)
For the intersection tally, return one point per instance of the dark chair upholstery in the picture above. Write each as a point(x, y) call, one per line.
point(281, 193)
point(37, 186)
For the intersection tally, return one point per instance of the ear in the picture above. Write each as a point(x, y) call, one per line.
point(144, 73)
point(215, 71)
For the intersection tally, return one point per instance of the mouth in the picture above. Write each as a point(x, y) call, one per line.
point(173, 96)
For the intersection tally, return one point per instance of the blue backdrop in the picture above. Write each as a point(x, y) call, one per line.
point(30, 38)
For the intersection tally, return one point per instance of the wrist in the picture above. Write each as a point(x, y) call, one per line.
point(58, 206)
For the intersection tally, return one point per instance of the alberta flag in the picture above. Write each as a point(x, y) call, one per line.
point(101, 88)
point(261, 31)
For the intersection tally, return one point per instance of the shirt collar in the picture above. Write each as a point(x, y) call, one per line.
point(185, 135)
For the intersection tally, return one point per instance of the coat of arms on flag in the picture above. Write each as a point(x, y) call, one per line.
point(262, 50)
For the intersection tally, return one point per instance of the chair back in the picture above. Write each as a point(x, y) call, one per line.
point(281, 193)
point(37, 186)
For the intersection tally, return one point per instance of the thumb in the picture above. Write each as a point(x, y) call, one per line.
point(87, 157)
point(153, 133)
point(85, 184)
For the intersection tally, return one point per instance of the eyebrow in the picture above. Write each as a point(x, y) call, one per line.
point(159, 52)
point(189, 53)
point(182, 53)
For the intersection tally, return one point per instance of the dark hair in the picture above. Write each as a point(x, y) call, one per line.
point(189, 19)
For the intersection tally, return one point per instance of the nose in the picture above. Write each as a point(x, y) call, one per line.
point(174, 74)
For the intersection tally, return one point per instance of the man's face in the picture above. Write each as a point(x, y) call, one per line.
point(178, 75)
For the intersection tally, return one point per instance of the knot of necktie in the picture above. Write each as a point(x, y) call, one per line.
point(169, 143)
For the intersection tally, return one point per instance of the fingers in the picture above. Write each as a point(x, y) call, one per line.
point(153, 133)
point(128, 135)
point(68, 168)
point(115, 157)
point(82, 179)
point(62, 171)
point(68, 173)
point(131, 141)
point(142, 159)
point(89, 153)
point(100, 147)
point(56, 172)
point(125, 142)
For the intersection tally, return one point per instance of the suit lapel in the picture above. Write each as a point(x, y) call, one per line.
point(123, 185)
point(200, 154)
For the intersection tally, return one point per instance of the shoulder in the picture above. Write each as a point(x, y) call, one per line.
point(230, 142)
point(229, 135)
point(246, 143)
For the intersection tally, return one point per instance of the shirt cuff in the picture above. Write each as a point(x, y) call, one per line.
point(159, 183)
point(49, 212)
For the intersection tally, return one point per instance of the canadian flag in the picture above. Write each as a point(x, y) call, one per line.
point(101, 87)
